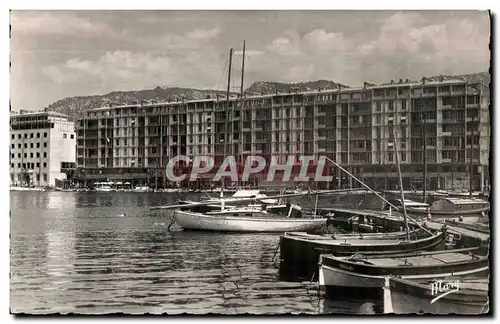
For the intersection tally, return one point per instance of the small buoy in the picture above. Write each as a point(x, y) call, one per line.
point(122, 215)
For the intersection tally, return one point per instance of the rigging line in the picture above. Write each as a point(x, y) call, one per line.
point(222, 76)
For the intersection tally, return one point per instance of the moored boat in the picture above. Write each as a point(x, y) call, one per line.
point(360, 271)
point(300, 255)
point(469, 296)
point(474, 209)
point(245, 220)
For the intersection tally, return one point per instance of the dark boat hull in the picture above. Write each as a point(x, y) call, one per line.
point(407, 297)
point(300, 257)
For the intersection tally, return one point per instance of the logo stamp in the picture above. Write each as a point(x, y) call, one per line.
point(440, 289)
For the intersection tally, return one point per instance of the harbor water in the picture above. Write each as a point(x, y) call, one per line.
point(77, 253)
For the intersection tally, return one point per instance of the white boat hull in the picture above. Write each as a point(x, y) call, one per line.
point(342, 278)
point(336, 277)
point(198, 221)
point(26, 189)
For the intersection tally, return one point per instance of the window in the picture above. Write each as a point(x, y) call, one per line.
point(12, 165)
point(19, 136)
point(403, 104)
point(25, 155)
point(19, 155)
point(45, 144)
point(65, 135)
point(44, 164)
point(32, 135)
point(391, 157)
point(25, 145)
point(25, 135)
point(19, 145)
point(19, 165)
point(38, 145)
point(12, 155)
point(31, 155)
point(45, 177)
point(13, 136)
point(31, 145)
point(44, 154)
point(45, 134)
point(13, 146)
point(37, 154)
point(37, 135)
point(391, 105)
point(38, 164)
point(72, 136)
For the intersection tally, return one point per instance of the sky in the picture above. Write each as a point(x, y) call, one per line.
point(58, 54)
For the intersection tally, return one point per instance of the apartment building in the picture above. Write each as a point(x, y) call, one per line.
point(443, 122)
point(41, 145)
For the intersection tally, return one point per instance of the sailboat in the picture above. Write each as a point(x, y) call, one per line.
point(224, 214)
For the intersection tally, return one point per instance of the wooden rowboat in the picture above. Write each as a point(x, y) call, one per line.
point(363, 272)
point(300, 255)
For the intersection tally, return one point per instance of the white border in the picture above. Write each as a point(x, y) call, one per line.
point(185, 4)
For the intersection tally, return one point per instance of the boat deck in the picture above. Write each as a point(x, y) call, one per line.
point(382, 214)
point(457, 230)
point(427, 260)
point(356, 241)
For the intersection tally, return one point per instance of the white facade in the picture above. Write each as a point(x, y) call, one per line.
point(39, 143)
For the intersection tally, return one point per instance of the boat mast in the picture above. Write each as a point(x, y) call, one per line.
point(227, 110)
point(423, 118)
point(401, 183)
point(425, 162)
point(240, 141)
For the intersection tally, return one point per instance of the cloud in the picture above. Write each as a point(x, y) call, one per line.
point(127, 70)
point(405, 41)
point(204, 34)
point(193, 39)
point(249, 52)
point(398, 45)
point(56, 75)
point(59, 23)
point(404, 45)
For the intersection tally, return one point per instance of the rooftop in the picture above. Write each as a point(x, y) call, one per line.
point(367, 86)
point(27, 113)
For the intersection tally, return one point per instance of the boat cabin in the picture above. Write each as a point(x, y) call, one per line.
point(459, 204)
